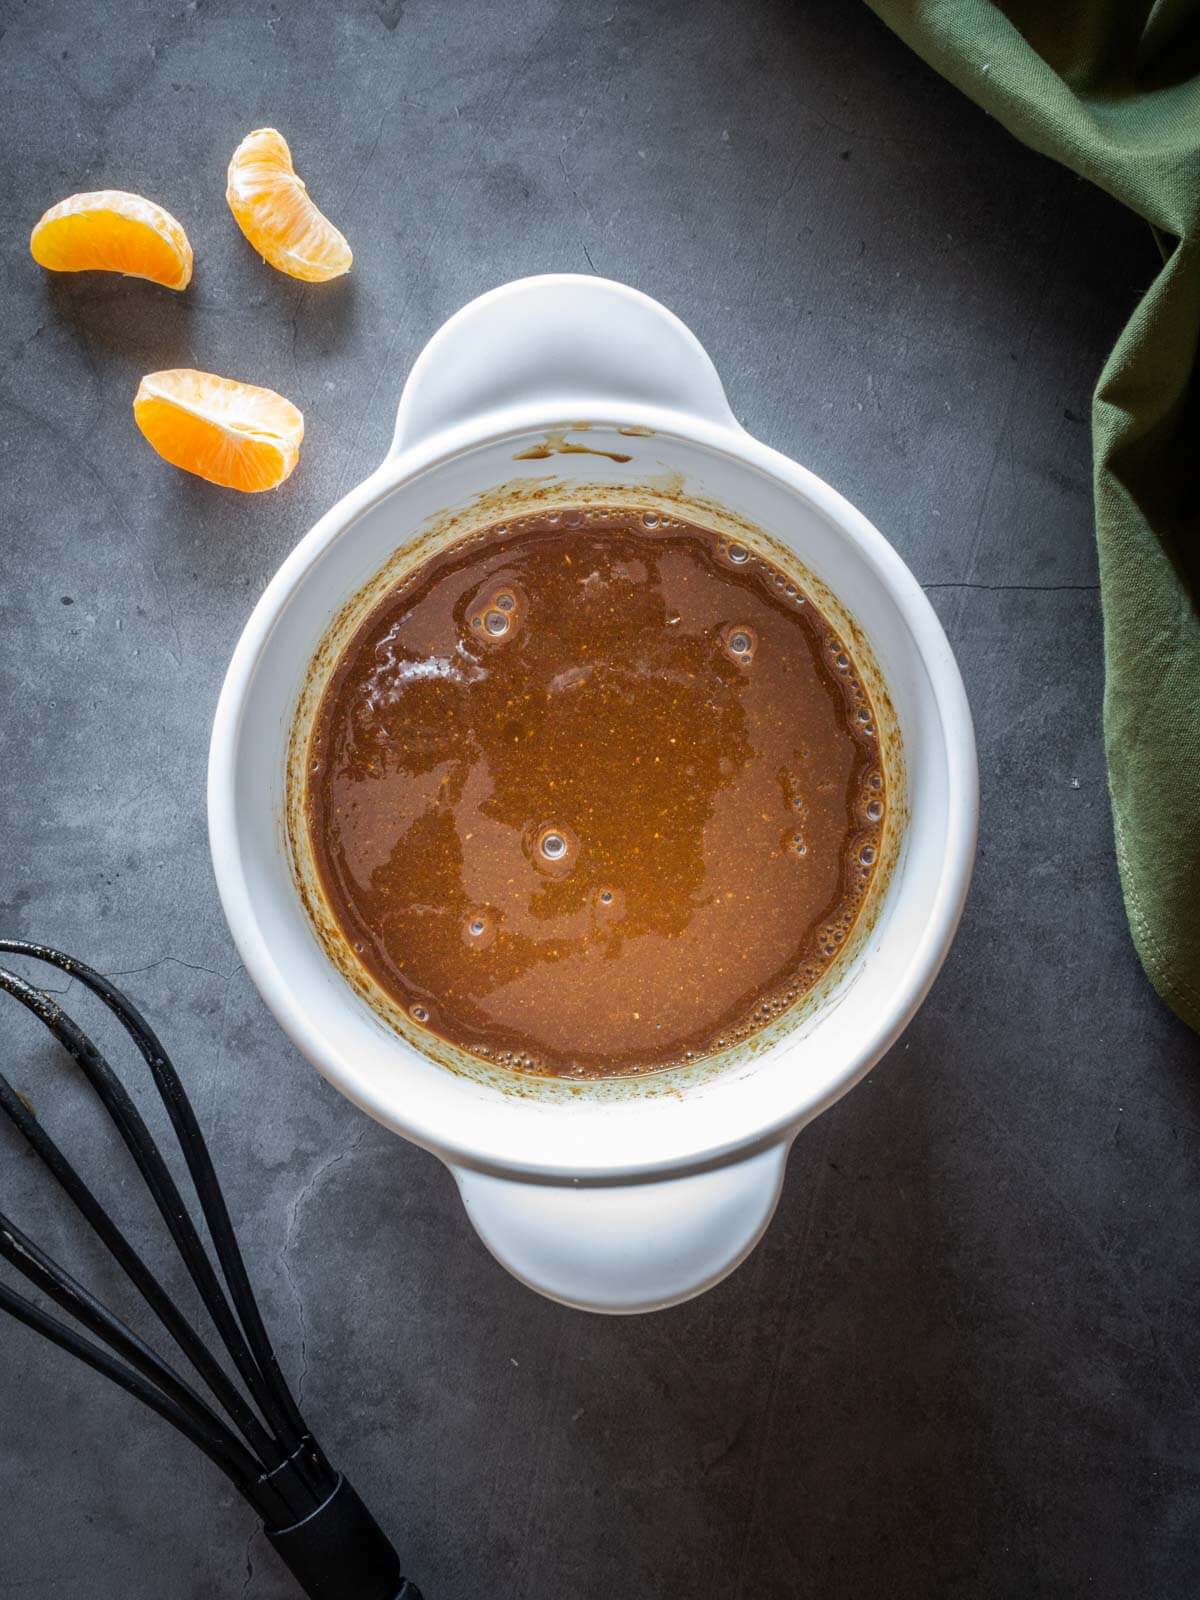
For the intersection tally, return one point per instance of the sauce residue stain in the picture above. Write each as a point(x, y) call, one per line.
point(557, 444)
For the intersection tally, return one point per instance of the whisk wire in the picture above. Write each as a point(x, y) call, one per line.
point(200, 1167)
point(312, 1515)
point(268, 1389)
point(45, 1274)
point(96, 1357)
point(151, 1290)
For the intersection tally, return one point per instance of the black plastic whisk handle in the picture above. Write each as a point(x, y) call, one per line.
point(339, 1552)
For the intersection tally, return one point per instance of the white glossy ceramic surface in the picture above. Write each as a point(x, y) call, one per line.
point(608, 1204)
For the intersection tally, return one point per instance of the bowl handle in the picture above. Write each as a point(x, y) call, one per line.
point(572, 344)
point(628, 1247)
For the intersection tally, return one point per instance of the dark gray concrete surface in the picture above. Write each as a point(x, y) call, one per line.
point(964, 1362)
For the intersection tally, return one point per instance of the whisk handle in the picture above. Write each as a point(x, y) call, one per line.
point(339, 1552)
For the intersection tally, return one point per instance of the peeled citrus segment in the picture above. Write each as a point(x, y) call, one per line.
point(272, 208)
point(231, 433)
point(111, 231)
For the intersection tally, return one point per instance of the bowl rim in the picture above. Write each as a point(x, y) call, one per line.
point(957, 741)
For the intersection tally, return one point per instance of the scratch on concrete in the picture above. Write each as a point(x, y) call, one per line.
point(297, 1206)
point(192, 966)
point(362, 171)
point(177, 654)
point(1021, 588)
point(580, 205)
point(294, 323)
point(254, 1532)
point(772, 209)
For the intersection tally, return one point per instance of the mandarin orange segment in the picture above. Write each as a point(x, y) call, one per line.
point(272, 208)
point(230, 433)
point(111, 231)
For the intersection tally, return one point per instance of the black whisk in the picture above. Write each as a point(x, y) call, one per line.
point(312, 1515)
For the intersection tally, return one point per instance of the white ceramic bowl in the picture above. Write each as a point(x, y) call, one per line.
point(613, 1201)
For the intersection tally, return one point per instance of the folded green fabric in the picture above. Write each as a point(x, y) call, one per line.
point(1111, 88)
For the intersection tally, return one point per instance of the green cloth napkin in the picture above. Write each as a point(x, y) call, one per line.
point(1111, 88)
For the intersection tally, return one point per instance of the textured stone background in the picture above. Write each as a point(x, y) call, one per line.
point(963, 1362)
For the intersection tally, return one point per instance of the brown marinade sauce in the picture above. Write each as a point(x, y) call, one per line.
point(595, 792)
